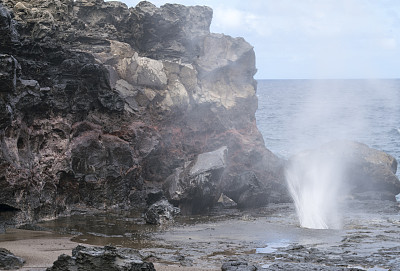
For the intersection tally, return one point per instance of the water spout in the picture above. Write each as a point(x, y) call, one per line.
point(315, 183)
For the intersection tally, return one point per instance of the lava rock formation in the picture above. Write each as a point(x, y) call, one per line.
point(101, 104)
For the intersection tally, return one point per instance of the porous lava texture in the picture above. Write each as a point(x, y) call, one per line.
point(105, 107)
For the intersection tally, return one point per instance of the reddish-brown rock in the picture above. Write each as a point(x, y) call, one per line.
point(110, 102)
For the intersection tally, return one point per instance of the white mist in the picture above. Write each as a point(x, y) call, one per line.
point(316, 185)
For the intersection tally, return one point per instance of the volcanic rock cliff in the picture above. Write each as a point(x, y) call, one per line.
point(108, 107)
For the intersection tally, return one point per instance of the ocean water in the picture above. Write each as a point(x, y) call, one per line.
point(295, 115)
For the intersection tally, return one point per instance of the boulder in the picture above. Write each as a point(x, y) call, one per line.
point(238, 266)
point(101, 258)
point(247, 191)
point(9, 261)
point(142, 71)
point(194, 187)
point(364, 172)
point(161, 212)
point(226, 202)
point(128, 93)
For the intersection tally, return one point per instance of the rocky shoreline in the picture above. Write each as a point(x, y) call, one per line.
point(107, 107)
point(267, 238)
point(140, 114)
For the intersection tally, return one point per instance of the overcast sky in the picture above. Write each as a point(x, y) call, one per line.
point(310, 38)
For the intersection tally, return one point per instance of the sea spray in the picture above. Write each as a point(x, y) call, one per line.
point(315, 182)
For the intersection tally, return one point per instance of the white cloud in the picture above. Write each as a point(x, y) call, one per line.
point(299, 35)
point(388, 43)
point(231, 21)
point(228, 18)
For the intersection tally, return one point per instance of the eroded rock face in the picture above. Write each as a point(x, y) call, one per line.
point(8, 75)
point(172, 31)
point(101, 104)
point(8, 31)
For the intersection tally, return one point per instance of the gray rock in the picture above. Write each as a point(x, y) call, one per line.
point(29, 84)
point(209, 161)
point(128, 93)
point(172, 31)
point(161, 212)
point(247, 191)
point(226, 202)
point(195, 187)
point(9, 261)
point(101, 258)
point(230, 58)
point(238, 266)
point(367, 173)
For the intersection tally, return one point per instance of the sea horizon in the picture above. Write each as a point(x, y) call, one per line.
point(323, 79)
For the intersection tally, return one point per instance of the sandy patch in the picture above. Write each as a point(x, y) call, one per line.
point(39, 249)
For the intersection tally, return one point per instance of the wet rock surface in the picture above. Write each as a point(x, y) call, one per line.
point(238, 266)
point(9, 261)
point(365, 173)
point(195, 187)
point(267, 238)
point(161, 212)
point(100, 104)
point(101, 258)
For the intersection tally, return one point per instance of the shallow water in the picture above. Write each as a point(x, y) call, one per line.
point(269, 237)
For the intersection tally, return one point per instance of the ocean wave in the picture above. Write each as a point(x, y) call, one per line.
point(395, 131)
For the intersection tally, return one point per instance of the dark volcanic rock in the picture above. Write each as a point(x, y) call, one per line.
point(8, 32)
point(5, 114)
point(8, 73)
point(98, 258)
point(172, 31)
point(238, 266)
point(309, 266)
point(9, 261)
point(194, 187)
point(247, 191)
point(101, 104)
point(161, 212)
